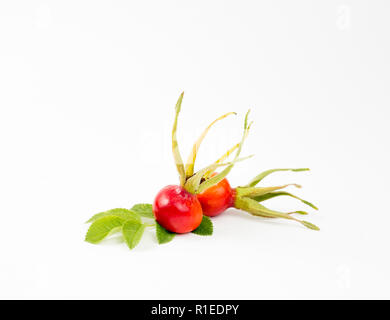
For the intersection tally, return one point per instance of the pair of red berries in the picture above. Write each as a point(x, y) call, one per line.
point(179, 211)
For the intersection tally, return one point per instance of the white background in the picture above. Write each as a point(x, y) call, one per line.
point(87, 95)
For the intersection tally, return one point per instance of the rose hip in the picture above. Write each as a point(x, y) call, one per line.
point(177, 210)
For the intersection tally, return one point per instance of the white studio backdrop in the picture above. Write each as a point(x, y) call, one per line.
point(87, 95)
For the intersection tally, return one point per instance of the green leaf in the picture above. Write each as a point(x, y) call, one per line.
point(191, 159)
point(283, 193)
point(100, 228)
point(205, 228)
point(132, 232)
point(118, 212)
point(163, 235)
point(262, 175)
point(144, 210)
point(175, 146)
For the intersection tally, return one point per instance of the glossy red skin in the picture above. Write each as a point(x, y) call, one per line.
point(177, 210)
point(217, 199)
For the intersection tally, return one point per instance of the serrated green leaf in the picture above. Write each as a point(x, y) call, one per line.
point(205, 228)
point(144, 210)
point(163, 235)
point(100, 228)
point(262, 175)
point(118, 212)
point(132, 232)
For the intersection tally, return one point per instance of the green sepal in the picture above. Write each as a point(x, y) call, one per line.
point(175, 146)
point(189, 168)
point(253, 207)
point(310, 225)
point(262, 175)
point(163, 235)
point(253, 192)
point(222, 158)
point(193, 184)
point(219, 177)
point(205, 228)
point(271, 195)
point(301, 212)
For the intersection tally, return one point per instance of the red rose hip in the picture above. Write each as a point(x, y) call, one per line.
point(177, 210)
point(217, 198)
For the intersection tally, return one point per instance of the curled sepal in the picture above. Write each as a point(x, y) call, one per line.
point(192, 184)
point(228, 153)
point(245, 135)
point(256, 209)
point(189, 169)
point(253, 192)
point(220, 176)
point(223, 158)
point(271, 195)
point(175, 146)
point(262, 175)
